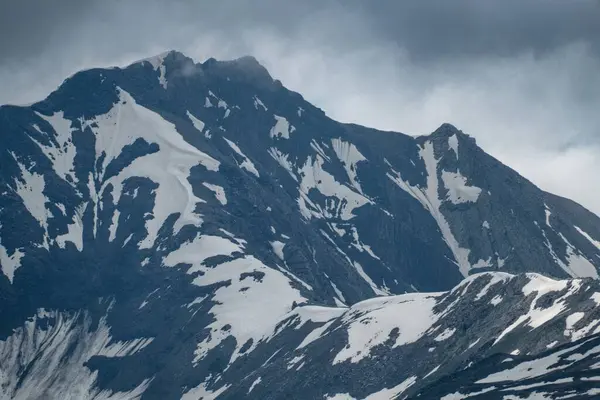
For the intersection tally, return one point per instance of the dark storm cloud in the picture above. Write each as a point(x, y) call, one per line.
point(427, 29)
point(519, 75)
point(435, 28)
point(26, 26)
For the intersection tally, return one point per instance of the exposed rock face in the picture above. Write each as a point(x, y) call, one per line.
point(176, 229)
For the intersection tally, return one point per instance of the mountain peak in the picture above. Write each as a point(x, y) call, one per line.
point(246, 68)
point(159, 59)
point(446, 130)
point(243, 69)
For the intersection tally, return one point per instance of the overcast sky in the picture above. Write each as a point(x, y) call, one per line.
point(522, 76)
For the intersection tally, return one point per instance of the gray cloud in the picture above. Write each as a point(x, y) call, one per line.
point(428, 29)
point(438, 28)
point(520, 76)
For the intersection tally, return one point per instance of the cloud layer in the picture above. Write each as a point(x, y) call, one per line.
point(520, 76)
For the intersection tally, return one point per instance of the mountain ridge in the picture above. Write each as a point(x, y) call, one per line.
point(151, 214)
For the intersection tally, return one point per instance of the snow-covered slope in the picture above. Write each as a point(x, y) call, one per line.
point(175, 229)
point(409, 344)
point(571, 371)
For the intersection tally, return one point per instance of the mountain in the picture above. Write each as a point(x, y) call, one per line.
point(176, 229)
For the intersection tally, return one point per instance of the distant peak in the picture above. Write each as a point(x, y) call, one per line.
point(446, 132)
point(249, 62)
point(446, 129)
point(243, 69)
point(156, 61)
point(159, 59)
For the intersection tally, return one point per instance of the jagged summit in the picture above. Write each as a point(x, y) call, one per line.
point(158, 59)
point(245, 69)
point(446, 129)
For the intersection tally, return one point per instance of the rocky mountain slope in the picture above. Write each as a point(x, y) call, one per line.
point(175, 229)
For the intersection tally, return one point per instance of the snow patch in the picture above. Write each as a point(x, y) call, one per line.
point(218, 191)
point(277, 247)
point(412, 314)
point(250, 313)
point(258, 102)
point(577, 264)
point(349, 156)
point(343, 200)
point(448, 332)
point(316, 147)
point(326, 315)
point(340, 396)
point(199, 250)
point(10, 263)
point(588, 237)
point(358, 244)
point(200, 392)
point(540, 285)
point(30, 188)
point(429, 199)
point(495, 278)
point(246, 164)
point(571, 320)
point(170, 167)
point(548, 214)
point(458, 190)
point(113, 226)
point(433, 371)
point(367, 278)
point(357, 267)
point(256, 382)
point(596, 298)
point(282, 159)
point(392, 393)
point(62, 153)
point(157, 63)
point(528, 369)
point(75, 231)
point(453, 144)
point(199, 125)
point(338, 292)
point(282, 128)
point(483, 263)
